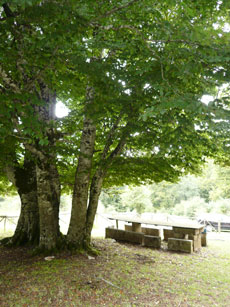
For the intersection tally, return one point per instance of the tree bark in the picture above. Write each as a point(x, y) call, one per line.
point(47, 177)
point(77, 225)
point(97, 182)
point(24, 179)
point(27, 230)
point(48, 183)
point(48, 192)
point(47, 180)
point(95, 191)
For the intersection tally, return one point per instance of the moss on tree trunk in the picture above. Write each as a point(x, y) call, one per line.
point(95, 191)
point(48, 191)
point(76, 232)
point(24, 179)
point(27, 230)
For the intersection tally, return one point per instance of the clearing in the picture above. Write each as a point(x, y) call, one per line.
point(122, 275)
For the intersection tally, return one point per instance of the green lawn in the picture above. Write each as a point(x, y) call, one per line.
point(122, 275)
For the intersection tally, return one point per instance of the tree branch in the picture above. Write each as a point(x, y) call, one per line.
point(38, 76)
point(7, 10)
point(8, 81)
point(109, 139)
point(145, 40)
point(19, 137)
point(120, 145)
point(118, 149)
point(116, 9)
point(10, 173)
point(35, 151)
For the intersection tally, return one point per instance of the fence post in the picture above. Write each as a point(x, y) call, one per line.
point(219, 226)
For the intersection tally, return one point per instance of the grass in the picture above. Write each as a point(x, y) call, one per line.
point(122, 275)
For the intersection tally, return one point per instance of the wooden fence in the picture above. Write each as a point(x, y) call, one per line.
point(9, 218)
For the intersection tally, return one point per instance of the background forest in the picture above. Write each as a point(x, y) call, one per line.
point(191, 196)
point(133, 75)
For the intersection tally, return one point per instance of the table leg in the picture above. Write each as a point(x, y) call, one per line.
point(136, 227)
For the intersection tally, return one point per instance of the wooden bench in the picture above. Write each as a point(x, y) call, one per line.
point(133, 237)
point(167, 233)
point(189, 234)
point(184, 231)
point(180, 245)
point(146, 230)
point(152, 241)
point(124, 235)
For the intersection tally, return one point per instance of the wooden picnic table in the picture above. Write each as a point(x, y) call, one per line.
point(136, 222)
point(181, 231)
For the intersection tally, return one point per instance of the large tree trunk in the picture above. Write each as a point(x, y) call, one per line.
point(48, 183)
point(48, 192)
point(24, 179)
point(47, 177)
point(27, 231)
point(95, 191)
point(75, 236)
point(81, 227)
point(97, 181)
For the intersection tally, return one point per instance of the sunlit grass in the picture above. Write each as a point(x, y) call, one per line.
point(122, 275)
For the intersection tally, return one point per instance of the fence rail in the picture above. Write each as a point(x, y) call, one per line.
point(214, 225)
point(5, 218)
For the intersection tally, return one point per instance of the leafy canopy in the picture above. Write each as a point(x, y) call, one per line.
point(149, 64)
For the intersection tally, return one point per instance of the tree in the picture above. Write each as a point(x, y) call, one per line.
point(24, 179)
point(111, 198)
point(137, 199)
point(28, 115)
point(132, 75)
